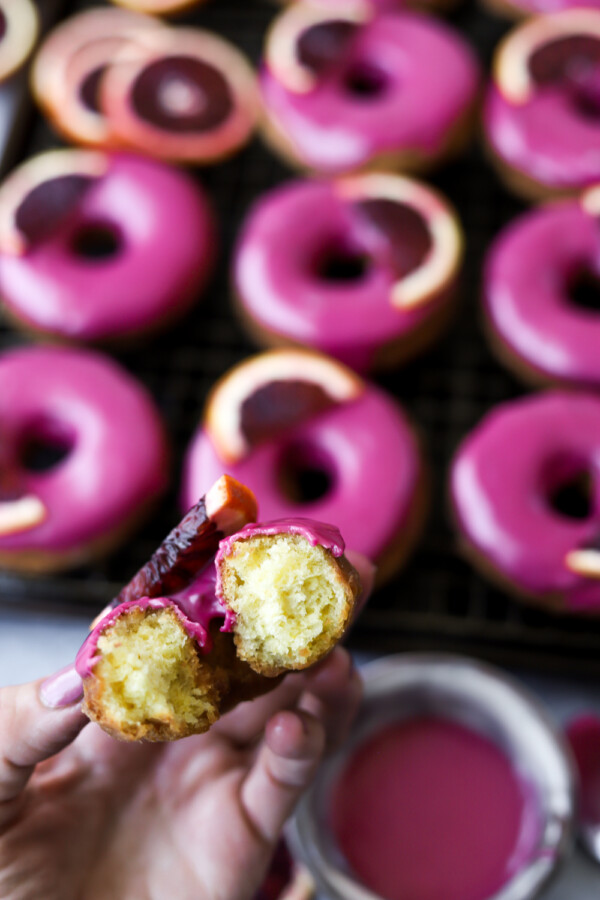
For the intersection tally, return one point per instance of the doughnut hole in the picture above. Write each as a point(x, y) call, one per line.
point(365, 81)
point(289, 598)
point(583, 290)
point(149, 672)
point(305, 473)
point(44, 445)
point(97, 241)
point(568, 486)
point(340, 263)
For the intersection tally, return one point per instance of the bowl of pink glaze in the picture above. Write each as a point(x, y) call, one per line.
point(454, 785)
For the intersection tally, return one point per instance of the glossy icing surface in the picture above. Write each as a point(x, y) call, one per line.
point(368, 450)
point(278, 283)
point(164, 237)
point(116, 454)
point(429, 810)
point(502, 482)
point(527, 300)
point(202, 600)
point(333, 130)
point(548, 138)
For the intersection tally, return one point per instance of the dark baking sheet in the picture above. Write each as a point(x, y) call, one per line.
point(437, 602)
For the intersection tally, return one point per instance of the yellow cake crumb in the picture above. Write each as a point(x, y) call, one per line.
point(291, 600)
point(149, 672)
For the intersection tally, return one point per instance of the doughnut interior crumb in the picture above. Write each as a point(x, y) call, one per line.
point(150, 677)
point(291, 600)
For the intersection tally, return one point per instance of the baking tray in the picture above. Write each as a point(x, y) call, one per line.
point(438, 602)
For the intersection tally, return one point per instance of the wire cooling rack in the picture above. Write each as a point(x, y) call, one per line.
point(438, 602)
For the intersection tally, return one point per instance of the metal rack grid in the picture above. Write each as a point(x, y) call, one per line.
point(438, 602)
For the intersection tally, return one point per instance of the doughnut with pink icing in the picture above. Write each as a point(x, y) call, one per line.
point(346, 89)
point(363, 268)
point(83, 456)
point(537, 269)
point(542, 110)
point(525, 488)
point(312, 439)
point(96, 247)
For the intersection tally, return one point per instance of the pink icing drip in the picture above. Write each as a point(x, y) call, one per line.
point(501, 499)
point(333, 132)
point(375, 468)
point(545, 138)
point(526, 292)
point(118, 454)
point(430, 810)
point(276, 281)
point(88, 654)
point(165, 226)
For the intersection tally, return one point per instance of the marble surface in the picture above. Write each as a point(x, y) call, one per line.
point(36, 645)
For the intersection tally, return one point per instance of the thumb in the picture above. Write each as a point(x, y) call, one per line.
point(36, 721)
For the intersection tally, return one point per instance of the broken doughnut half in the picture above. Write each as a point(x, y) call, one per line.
point(214, 618)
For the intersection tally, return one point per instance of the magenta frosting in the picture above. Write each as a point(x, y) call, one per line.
point(501, 481)
point(530, 267)
point(367, 445)
point(276, 282)
point(333, 131)
point(545, 138)
point(118, 454)
point(167, 234)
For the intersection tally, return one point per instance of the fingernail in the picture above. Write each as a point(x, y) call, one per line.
point(64, 688)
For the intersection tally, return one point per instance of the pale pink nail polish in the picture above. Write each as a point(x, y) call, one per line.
point(61, 689)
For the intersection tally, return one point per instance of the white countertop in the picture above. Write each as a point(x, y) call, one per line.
point(32, 645)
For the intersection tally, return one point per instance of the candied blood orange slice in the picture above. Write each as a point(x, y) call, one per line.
point(67, 70)
point(181, 94)
point(558, 48)
point(18, 31)
point(269, 393)
point(309, 39)
point(423, 232)
point(225, 508)
point(39, 194)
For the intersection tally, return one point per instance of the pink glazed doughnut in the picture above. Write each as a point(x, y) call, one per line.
point(525, 488)
point(97, 247)
point(534, 295)
point(83, 457)
point(311, 439)
point(542, 111)
point(363, 268)
point(346, 89)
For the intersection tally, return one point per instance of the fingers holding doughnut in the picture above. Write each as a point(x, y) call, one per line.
point(36, 721)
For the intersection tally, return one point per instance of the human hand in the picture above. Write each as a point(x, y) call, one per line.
point(84, 817)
